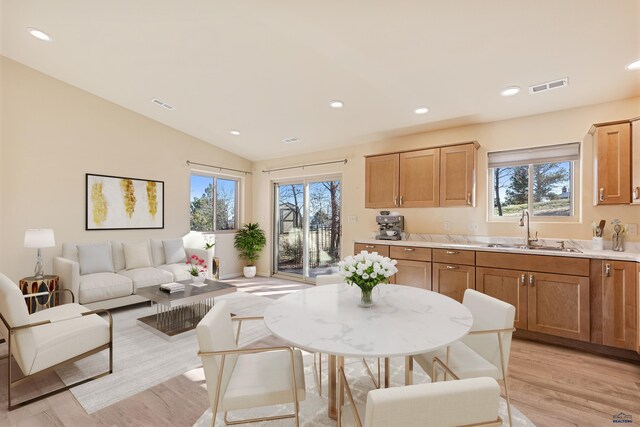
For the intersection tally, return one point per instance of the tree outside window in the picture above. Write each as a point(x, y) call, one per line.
point(213, 205)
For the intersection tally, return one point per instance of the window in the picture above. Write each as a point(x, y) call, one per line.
point(541, 180)
point(214, 203)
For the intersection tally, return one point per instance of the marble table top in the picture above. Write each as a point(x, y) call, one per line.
point(405, 321)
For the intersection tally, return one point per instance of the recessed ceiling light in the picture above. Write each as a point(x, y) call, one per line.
point(234, 132)
point(39, 34)
point(336, 103)
point(510, 91)
point(291, 140)
point(635, 65)
point(421, 110)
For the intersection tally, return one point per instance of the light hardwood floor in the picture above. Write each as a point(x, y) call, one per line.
point(553, 386)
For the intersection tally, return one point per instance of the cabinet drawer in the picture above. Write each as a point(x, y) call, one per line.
point(410, 253)
point(371, 247)
point(454, 256)
point(540, 263)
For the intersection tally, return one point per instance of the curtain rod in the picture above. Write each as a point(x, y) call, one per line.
point(218, 167)
point(343, 161)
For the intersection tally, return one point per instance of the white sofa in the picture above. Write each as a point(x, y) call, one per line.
point(115, 287)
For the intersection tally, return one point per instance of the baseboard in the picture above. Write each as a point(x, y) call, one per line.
point(263, 274)
point(230, 276)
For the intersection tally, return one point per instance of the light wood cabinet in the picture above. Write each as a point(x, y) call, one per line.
point(507, 285)
point(454, 256)
point(452, 280)
point(635, 167)
point(381, 181)
point(420, 178)
point(371, 247)
point(638, 307)
point(458, 165)
point(612, 163)
point(614, 317)
point(413, 273)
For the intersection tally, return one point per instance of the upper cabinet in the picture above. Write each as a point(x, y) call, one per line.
point(612, 163)
point(635, 152)
point(439, 176)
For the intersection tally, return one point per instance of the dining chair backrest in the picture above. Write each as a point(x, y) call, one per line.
point(14, 311)
point(450, 403)
point(215, 333)
point(329, 279)
point(489, 313)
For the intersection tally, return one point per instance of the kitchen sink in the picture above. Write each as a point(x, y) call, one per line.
point(533, 247)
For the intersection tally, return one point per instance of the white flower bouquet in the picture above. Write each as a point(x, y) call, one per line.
point(366, 271)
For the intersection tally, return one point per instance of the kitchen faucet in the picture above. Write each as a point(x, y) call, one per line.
point(524, 222)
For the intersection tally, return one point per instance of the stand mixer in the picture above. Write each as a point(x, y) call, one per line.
point(391, 227)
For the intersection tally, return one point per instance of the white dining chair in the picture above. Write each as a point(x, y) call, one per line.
point(242, 378)
point(468, 402)
point(484, 352)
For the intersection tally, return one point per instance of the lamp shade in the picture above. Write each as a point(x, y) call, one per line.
point(39, 238)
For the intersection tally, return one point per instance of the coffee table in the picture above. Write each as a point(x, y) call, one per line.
point(180, 312)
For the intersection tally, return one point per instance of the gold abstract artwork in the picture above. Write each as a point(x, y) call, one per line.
point(99, 204)
point(152, 196)
point(128, 196)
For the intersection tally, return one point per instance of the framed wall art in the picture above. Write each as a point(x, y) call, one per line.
point(120, 203)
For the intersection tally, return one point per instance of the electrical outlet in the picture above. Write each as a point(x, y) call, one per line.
point(352, 219)
point(473, 226)
point(447, 226)
point(632, 229)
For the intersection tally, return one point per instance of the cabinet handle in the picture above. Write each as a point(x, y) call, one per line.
point(453, 252)
point(523, 279)
point(607, 269)
point(636, 193)
point(468, 198)
point(532, 279)
point(395, 201)
point(409, 249)
point(602, 194)
point(401, 200)
point(370, 246)
point(452, 267)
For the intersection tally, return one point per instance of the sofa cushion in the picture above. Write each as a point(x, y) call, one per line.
point(100, 286)
point(157, 253)
point(174, 251)
point(118, 255)
point(137, 255)
point(149, 276)
point(95, 258)
point(179, 271)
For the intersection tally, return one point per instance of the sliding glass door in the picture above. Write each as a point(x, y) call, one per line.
point(307, 226)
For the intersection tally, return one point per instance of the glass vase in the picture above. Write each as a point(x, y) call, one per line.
point(369, 297)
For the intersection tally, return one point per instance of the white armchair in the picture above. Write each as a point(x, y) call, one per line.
point(246, 378)
point(43, 341)
point(484, 352)
point(450, 403)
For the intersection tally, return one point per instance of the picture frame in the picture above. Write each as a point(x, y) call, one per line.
point(123, 203)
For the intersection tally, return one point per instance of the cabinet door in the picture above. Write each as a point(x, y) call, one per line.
point(419, 178)
point(413, 273)
point(452, 280)
point(613, 164)
point(635, 167)
point(381, 181)
point(458, 175)
point(558, 305)
point(619, 312)
point(371, 247)
point(506, 285)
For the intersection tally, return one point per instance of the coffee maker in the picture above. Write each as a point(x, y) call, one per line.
point(391, 226)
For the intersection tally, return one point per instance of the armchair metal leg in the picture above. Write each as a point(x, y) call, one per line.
point(504, 378)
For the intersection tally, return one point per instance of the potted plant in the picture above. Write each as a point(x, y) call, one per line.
point(197, 269)
point(366, 271)
point(250, 240)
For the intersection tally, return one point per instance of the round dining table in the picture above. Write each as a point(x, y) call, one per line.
point(405, 321)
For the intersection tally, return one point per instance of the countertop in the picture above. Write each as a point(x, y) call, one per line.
point(482, 246)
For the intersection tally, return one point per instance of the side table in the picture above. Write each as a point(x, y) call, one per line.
point(32, 285)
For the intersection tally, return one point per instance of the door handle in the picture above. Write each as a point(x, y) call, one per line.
point(523, 279)
point(468, 198)
point(607, 269)
point(532, 279)
point(453, 252)
point(452, 267)
point(602, 194)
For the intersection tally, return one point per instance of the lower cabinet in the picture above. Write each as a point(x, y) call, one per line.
point(554, 304)
point(413, 273)
point(452, 280)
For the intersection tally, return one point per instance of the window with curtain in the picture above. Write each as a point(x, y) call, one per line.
point(214, 203)
point(541, 179)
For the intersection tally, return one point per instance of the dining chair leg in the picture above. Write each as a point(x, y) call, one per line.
point(504, 378)
point(376, 384)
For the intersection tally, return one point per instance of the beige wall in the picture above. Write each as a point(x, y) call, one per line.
point(545, 129)
point(54, 133)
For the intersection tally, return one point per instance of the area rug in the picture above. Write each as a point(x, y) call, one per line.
point(143, 359)
point(313, 410)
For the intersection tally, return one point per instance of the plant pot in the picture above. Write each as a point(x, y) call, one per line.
point(198, 279)
point(249, 271)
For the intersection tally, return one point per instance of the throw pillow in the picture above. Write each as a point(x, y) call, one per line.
point(95, 258)
point(174, 251)
point(137, 255)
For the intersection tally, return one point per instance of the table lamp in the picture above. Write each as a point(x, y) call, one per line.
point(39, 238)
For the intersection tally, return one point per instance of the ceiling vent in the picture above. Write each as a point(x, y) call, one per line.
point(162, 104)
point(291, 140)
point(542, 87)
